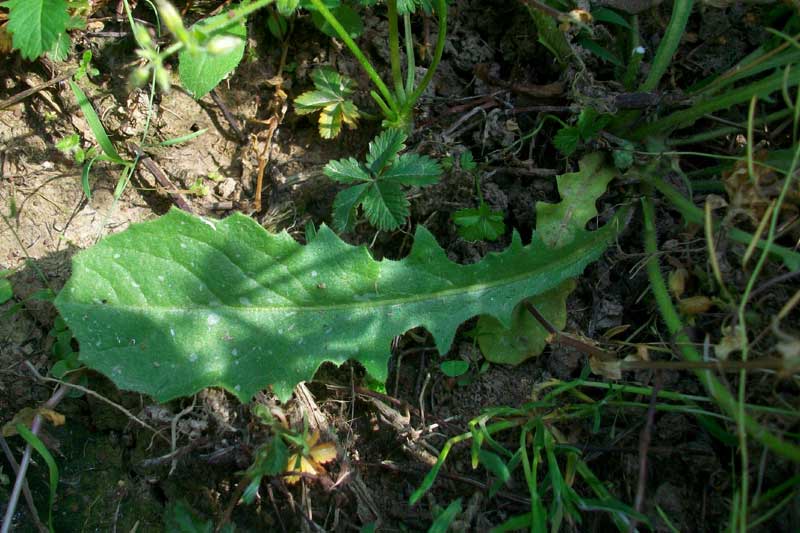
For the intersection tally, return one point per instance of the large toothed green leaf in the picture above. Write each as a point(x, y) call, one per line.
point(171, 306)
point(557, 225)
point(36, 25)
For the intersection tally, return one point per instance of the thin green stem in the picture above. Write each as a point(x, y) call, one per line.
point(411, 68)
point(177, 46)
point(687, 117)
point(441, 10)
point(727, 130)
point(742, 324)
point(384, 108)
point(235, 15)
point(394, 48)
point(669, 314)
point(743, 341)
point(694, 215)
point(389, 99)
point(432, 474)
point(669, 44)
point(666, 49)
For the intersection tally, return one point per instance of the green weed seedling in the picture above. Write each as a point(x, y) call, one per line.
point(212, 48)
point(548, 463)
point(587, 127)
point(397, 104)
point(108, 153)
point(377, 185)
point(481, 223)
point(287, 452)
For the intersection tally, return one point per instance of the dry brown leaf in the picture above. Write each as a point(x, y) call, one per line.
point(754, 195)
point(729, 343)
point(5, 41)
point(607, 369)
point(677, 281)
point(695, 305)
point(26, 415)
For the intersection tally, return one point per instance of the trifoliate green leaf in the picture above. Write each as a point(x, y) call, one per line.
point(590, 122)
point(346, 171)
point(60, 49)
point(68, 143)
point(330, 98)
point(345, 206)
point(172, 306)
point(479, 224)
point(467, 162)
point(330, 121)
point(384, 202)
point(36, 25)
point(312, 101)
point(202, 71)
point(550, 35)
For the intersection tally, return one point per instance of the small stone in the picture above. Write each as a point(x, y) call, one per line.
point(226, 188)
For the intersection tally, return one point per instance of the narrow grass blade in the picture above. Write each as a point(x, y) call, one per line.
point(443, 521)
point(183, 138)
point(36, 443)
point(95, 124)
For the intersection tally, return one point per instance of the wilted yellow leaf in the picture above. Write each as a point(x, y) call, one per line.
point(324, 452)
point(318, 454)
point(305, 467)
point(25, 417)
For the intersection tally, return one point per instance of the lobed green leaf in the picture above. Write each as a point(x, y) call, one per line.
point(556, 225)
point(171, 306)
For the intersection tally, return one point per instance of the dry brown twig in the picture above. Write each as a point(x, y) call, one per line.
point(100, 397)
